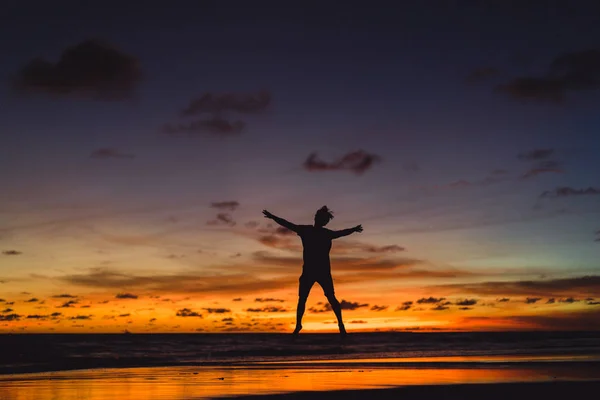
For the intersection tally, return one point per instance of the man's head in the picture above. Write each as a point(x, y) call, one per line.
point(323, 216)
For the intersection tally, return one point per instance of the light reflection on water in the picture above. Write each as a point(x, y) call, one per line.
point(205, 382)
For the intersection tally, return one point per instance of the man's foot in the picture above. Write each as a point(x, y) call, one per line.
point(342, 330)
point(297, 330)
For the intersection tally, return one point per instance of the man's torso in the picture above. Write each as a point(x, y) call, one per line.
point(317, 244)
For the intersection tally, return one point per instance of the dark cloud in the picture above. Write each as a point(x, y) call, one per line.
point(214, 126)
point(229, 319)
point(568, 191)
point(348, 305)
point(152, 320)
point(32, 300)
point(251, 224)
point(225, 205)
point(440, 307)
point(551, 301)
point(569, 300)
point(535, 155)
point(217, 310)
point(268, 309)
point(124, 315)
point(405, 306)
point(217, 104)
point(68, 304)
point(357, 321)
point(503, 300)
point(110, 152)
point(238, 299)
point(465, 308)
point(126, 296)
point(2, 300)
point(430, 300)
point(532, 300)
point(11, 252)
point(222, 219)
point(55, 314)
point(64, 296)
point(466, 302)
point(375, 307)
point(7, 310)
point(567, 73)
point(37, 316)
point(481, 74)
point(10, 317)
point(358, 162)
point(268, 299)
point(81, 317)
point(533, 172)
point(90, 69)
point(186, 312)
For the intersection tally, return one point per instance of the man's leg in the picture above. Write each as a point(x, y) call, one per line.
point(303, 291)
point(327, 285)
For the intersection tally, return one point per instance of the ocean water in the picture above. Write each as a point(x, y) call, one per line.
point(23, 353)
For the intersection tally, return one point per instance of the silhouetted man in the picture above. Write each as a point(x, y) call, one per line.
point(316, 241)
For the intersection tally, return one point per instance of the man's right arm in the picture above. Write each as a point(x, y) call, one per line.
point(281, 221)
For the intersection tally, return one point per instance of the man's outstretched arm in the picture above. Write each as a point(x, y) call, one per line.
point(281, 221)
point(346, 232)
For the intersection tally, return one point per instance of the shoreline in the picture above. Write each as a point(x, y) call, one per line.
point(550, 390)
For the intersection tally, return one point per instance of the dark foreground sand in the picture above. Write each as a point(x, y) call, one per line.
point(572, 390)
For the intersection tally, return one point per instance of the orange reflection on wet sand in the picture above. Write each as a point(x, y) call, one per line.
point(205, 382)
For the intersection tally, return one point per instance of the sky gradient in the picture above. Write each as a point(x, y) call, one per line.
point(464, 138)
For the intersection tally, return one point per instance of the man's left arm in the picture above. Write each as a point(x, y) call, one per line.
point(346, 232)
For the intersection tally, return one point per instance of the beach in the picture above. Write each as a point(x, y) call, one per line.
point(386, 365)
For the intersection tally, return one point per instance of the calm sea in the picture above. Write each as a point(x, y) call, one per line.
point(52, 352)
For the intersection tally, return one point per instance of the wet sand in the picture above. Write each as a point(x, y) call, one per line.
point(499, 391)
point(302, 380)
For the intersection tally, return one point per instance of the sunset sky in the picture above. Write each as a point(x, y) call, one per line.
point(465, 140)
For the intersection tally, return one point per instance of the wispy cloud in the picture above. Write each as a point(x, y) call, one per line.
point(357, 161)
point(569, 72)
point(268, 300)
point(535, 155)
point(214, 103)
point(405, 306)
point(268, 309)
point(215, 126)
point(68, 304)
point(568, 191)
point(225, 205)
point(110, 152)
point(375, 307)
point(222, 219)
point(582, 286)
